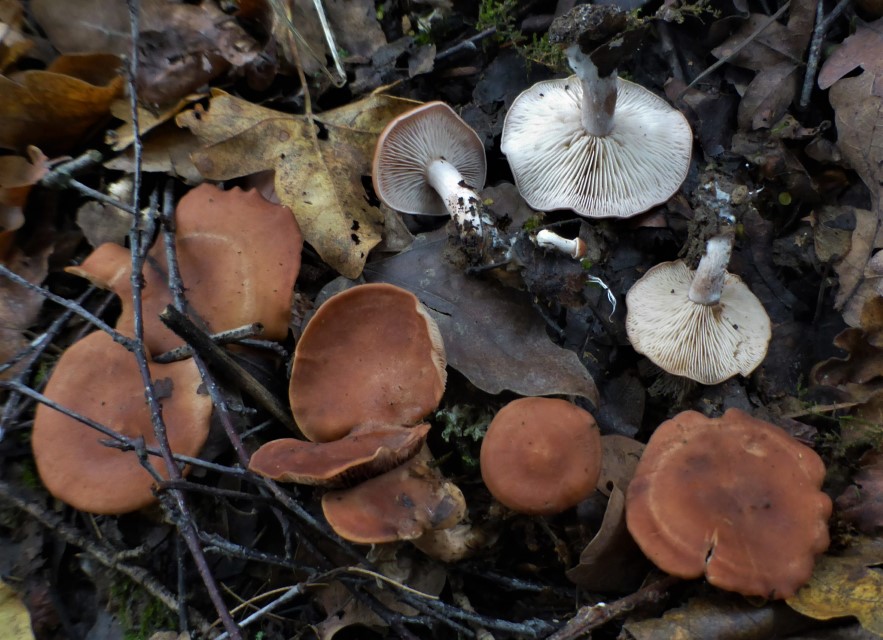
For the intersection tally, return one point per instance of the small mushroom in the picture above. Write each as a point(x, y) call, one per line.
point(541, 456)
point(706, 326)
point(370, 355)
point(593, 142)
point(734, 498)
point(364, 453)
point(401, 504)
point(430, 161)
point(100, 380)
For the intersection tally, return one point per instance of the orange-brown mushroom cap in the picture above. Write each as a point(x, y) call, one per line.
point(401, 504)
point(364, 453)
point(100, 380)
point(735, 498)
point(239, 256)
point(541, 456)
point(370, 355)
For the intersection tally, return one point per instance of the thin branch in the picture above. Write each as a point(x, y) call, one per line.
point(823, 23)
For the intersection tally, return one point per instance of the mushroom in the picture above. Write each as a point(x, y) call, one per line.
point(401, 504)
point(239, 256)
point(428, 160)
point(364, 453)
point(734, 498)
point(541, 456)
point(595, 143)
point(706, 326)
point(370, 355)
point(100, 380)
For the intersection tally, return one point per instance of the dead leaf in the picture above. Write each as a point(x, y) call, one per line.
point(19, 307)
point(620, 456)
point(862, 49)
point(862, 503)
point(777, 54)
point(833, 228)
point(166, 149)
point(717, 618)
point(354, 23)
point(13, 43)
point(56, 108)
point(491, 333)
point(611, 561)
point(319, 165)
point(17, 176)
point(846, 585)
point(14, 617)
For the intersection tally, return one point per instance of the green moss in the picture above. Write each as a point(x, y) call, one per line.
point(139, 614)
point(464, 427)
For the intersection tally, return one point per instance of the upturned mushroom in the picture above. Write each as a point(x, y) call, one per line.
point(362, 454)
point(734, 498)
point(100, 380)
point(370, 355)
point(430, 161)
point(541, 456)
point(704, 325)
point(595, 143)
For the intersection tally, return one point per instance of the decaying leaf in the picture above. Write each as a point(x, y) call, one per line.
point(13, 44)
point(54, 109)
point(862, 49)
point(491, 334)
point(19, 307)
point(618, 462)
point(777, 54)
point(17, 176)
point(14, 617)
point(846, 585)
point(319, 163)
point(717, 618)
point(611, 561)
point(865, 348)
point(862, 503)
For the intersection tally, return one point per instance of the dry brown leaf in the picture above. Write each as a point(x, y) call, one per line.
point(318, 177)
point(166, 149)
point(862, 49)
point(618, 461)
point(846, 585)
point(862, 503)
point(12, 42)
point(19, 307)
point(855, 289)
point(17, 176)
point(777, 55)
point(56, 108)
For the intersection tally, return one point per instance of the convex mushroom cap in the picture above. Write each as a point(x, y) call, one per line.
point(541, 456)
point(364, 453)
point(99, 379)
point(238, 254)
point(370, 355)
point(429, 161)
point(708, 343)
point(734, 498)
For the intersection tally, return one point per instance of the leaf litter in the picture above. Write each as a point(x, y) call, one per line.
point(215, 85)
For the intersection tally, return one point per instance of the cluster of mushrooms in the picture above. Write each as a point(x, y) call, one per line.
point(733, 498)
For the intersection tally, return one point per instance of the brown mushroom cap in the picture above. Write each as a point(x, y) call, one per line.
point(735, 498)
point(370, 355)
point(239, 256)
point(99, 379)
point(401, 504)
point(541, 456)
point(706, 343)
point(364, 453)
point(411, 141)
point(557, 164)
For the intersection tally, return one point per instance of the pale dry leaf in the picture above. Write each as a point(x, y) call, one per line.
point(19, 307)
point(862, 49)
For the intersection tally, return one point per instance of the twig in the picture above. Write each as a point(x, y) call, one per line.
point(59, 177)
point(466, 45)
point(109, 559)
point(823, 23)
point(593, 616)
point(224, 364)
point(222, 337)
point(736, 49)
point(290, 594)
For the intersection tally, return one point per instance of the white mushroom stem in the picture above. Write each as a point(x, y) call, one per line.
point(461, 201)
point(575, 248)
point(709, 279)
point(599, 93)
